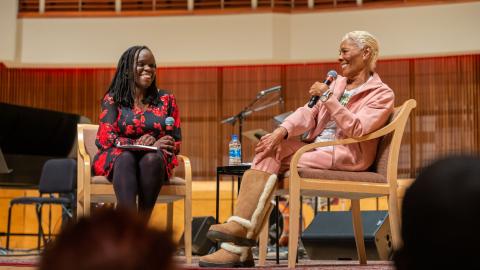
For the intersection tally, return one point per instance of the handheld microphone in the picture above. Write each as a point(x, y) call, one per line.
point(331, 75)
point(269, 90)
point(169, 122)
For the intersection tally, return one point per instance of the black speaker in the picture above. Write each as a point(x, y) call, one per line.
point(201, 245)
point(330, 236)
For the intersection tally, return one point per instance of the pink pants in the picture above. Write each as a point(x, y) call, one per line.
point(317, 159)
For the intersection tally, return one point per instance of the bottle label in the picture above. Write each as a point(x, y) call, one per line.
point(238, 153)
point(234, 152)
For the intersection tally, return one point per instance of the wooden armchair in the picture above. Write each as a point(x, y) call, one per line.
point(99, 189)
point(382, 181)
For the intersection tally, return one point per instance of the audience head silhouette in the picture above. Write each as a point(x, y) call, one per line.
point(108, 240)
point(441, 216)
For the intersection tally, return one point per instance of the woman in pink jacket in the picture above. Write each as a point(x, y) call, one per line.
point(355, 104)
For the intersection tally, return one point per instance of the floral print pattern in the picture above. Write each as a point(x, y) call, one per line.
point(121, 125)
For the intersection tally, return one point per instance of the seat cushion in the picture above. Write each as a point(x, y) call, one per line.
point(370, 177)
point(174, 181)
point(100, 180)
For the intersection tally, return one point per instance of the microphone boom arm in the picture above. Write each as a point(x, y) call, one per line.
point(249, 110)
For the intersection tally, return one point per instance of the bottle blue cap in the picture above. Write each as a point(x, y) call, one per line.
point(234, 137)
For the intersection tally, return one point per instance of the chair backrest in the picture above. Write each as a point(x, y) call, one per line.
point(383, 150)
point(58, 176)
point(89, 136)
point(73, 151)
point(388, 151)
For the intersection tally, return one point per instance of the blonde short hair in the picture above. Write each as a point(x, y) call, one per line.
point(364, 39)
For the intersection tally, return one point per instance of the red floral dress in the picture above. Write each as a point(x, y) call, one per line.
point(122, 125)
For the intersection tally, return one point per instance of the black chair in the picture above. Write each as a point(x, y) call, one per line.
point(59, 176)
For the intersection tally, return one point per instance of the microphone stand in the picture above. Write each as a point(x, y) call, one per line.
point(247, 111)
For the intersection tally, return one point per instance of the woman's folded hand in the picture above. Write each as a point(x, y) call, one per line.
point(270, 143)
point(146, 139)
point(166, 143)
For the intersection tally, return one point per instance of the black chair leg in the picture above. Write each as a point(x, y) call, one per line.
point(67, 214)
point(301, 224)
point(8, 225)
point(41, 235)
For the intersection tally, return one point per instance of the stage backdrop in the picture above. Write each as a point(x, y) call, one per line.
point(446, 120)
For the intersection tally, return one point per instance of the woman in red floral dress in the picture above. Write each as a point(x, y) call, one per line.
point(134, 112)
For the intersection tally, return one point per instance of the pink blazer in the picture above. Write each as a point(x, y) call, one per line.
point(366, 112)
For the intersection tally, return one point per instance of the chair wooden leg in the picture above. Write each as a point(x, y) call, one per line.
point(170, 216)
point(294, 197)
point(188, 229)
point(262, 245)
point(80, 210)
point(394, 217)
point(86, 205)
point(263, 236)
point(358, 231)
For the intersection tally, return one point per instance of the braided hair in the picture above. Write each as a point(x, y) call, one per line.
point(122, 87)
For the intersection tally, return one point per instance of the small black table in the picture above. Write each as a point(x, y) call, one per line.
point(234, 170)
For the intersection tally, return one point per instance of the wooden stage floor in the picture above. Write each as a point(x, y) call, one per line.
point(9, 262)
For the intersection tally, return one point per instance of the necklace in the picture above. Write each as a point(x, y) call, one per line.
point(347, 94)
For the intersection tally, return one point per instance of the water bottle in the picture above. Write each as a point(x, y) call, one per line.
point(234, 151)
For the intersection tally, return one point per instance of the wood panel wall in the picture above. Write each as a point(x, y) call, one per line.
point(445, 122)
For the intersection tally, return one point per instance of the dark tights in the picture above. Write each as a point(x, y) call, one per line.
point(138, 173)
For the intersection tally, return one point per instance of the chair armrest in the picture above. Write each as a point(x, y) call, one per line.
point(83, 165)
point(399, 122)
point(83, 157)
point(188, 171)
point(376, 134)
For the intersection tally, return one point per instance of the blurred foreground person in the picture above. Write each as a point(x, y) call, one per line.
point(441, 217)
point(110, 240)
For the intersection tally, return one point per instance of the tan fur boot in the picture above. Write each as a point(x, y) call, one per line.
point(251, 209)
point(229, 256)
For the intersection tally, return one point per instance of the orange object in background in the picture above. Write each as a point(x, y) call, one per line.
point(285, 213)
